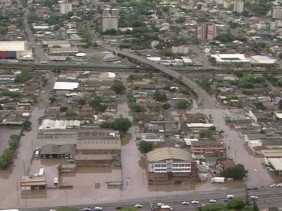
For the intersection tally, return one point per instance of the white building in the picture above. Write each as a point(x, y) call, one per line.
point(276, 12)
point(239, 6)
point(182, 49)
point(230, 58)
point(65, 8)
point(109, 19)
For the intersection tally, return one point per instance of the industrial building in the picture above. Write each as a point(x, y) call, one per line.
point(14, 50)
point(169, 163)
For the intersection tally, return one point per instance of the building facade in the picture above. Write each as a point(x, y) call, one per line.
point(277, 13)
point(164, 164)
point(239, 6)
point(206, 31)
point(208, 148)
point(65, 8)
point(109, 19)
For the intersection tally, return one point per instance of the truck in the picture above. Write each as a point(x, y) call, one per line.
point(218, 180)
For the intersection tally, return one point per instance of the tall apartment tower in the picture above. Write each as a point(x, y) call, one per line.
point(239, 6)
point(206, 31)
point(277, 13)
point(65, 8)
point(109, 19)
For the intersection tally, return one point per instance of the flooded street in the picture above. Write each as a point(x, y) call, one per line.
point(90, 185)
point(257, 174)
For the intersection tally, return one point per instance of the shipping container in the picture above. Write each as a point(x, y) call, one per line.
point(8, 54)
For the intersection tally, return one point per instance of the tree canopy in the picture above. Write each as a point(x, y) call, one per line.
point(120, 124)
point(145, 146)
point(237, 172)
point(118, 86)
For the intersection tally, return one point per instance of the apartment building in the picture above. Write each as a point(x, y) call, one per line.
point(208, 148)
point(206, 31)
point(239, 6)
point(109, 19)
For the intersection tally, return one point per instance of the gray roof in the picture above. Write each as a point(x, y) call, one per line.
point(56, 149)
point(206, 143)
point(93, 157)
point(168, 153)
point(100, 144)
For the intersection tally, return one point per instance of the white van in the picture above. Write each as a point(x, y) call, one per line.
point(36, 154)
point(230, 196)
point(166, 207)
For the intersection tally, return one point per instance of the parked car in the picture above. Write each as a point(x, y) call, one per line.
point(195, 202)
point(160, 204)
point(98, 208)
point(86, 209)
point(138, 205)
point(185, 203)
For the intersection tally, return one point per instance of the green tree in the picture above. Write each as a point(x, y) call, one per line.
point(98, 104)
point(182, 104)
point(63, 109)
point(165, 106)
point(145, 146)
point(237, 172)
point(14, 142)
point(27, 125)
point(128, 208)
point(6, 158)
point(136, 107)
point(212, 207)
point(255, 206)
point(118, 86)
point(120, 124)
point(236, 203)
point(159, 96)
point(66, 209)
point(70, 114)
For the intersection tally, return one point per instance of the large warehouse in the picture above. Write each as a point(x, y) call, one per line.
point(14, 50)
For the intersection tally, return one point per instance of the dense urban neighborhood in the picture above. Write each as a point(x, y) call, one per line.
point(140, 105)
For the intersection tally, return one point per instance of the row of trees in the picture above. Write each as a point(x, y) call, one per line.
point(6, 158)
point(238, 204)
point(120, 124)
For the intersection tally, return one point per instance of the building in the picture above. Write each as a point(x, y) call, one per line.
point(169, 163)
point(208, 148)
point(65, 8)
point(277, 12)
point(33, 183)
point(239, 6)
point(182, 49)
point(65, 151)
point(109, 19)
point(206, 31)
point(14, 50)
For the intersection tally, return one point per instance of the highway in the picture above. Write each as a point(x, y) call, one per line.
point(266, 197)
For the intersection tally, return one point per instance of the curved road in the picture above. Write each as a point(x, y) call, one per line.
point(204, 99)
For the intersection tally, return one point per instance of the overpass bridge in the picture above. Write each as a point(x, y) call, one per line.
point(204, 99)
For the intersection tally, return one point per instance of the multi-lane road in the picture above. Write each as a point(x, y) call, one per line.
point(267, 197)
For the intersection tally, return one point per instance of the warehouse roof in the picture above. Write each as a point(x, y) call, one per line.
point(13, 45)
point(63, 50)
point(65, 85)
point(56, 149)
point(93, 157)
point(276, 163)
point(258, 59)
point(48, 124)
point(272, 153)
point(167, 153)
point(100, 144)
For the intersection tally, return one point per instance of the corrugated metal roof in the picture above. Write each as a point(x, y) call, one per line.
point(93, 157)
point(168, 153)
point(99, 144)
point(276, 163)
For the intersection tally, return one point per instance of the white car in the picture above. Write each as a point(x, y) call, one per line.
point(212, 201)
point(98, 208)
point(138, 205)
point(185, 203)
point(160, 204)
point(254, 197)
point(195, 202)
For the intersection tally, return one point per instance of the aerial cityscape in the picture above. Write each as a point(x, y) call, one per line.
point(141, 105)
